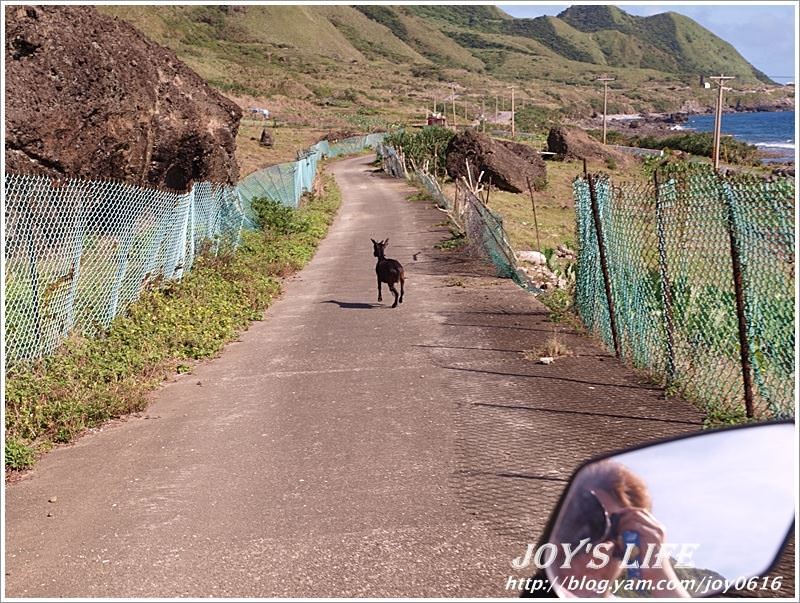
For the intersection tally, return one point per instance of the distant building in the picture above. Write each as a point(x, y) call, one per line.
point(260, 111)
point(437, 119)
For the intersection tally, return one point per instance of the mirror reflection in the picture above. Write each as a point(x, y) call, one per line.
point(679, 519)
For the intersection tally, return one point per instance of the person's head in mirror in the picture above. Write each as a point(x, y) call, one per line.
point(607, 511)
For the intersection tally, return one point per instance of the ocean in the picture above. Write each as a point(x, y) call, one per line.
point(770, 131)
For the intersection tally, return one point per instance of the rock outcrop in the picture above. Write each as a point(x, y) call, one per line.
point(89, 96)
point(507, 164)
point(573, 143)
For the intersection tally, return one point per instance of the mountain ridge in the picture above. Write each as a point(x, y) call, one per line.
point(384, 56)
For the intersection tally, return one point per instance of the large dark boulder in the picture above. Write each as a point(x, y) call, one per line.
point(89, 96)
point(266, 138)
point(569, 142)
point(509, 165)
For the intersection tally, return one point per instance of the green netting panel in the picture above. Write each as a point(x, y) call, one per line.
point(78, 252)
point(763, 215)
point(277, 182)
point(671, 272)
point(484, 230)
point(391, 161)
point(432, 187)
point(286, 182)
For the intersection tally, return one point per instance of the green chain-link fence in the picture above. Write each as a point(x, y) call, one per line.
point(674, 250)
point(78, 252)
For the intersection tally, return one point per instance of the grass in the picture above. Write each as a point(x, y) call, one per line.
point(288, 139)
point(88, 381)
point(457, 240)
point(420, 196)
point(553, 347)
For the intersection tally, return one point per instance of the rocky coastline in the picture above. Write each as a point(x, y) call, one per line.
point(670, 124)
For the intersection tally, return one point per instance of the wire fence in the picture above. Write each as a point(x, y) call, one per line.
point(286, 182)
point(78, 252)
point(691, 277)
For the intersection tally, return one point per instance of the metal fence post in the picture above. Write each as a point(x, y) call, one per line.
point(190, 222)
point(298, 183)
point(33, 273)
point(601, 246)
point(77, 252)
point(177, 238)
point(738, 285)
point(666, 292)
point(122, 266)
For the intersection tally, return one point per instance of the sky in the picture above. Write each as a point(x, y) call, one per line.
point(763, 33)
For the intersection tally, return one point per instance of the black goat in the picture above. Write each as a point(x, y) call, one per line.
point(388, 271)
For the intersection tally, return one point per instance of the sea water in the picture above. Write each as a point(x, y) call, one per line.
point(770, 131)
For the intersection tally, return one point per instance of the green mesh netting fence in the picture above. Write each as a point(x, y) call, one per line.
point(670, 246)
point(286, 182)
point(78, 252)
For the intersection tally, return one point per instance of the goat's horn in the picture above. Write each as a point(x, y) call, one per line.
point(386, 241)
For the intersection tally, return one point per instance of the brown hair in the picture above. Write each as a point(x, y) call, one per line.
point(582, 512)
point(615, 478)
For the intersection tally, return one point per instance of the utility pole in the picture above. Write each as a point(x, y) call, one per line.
point(496, 114)
point(453, 88)
point(720, 79)
point(513, 129)
point(605, 80)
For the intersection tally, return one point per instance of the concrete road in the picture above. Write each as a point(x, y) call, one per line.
point(340, 448)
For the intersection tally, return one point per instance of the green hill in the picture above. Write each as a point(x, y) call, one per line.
point(668, 42)
point(393, 60)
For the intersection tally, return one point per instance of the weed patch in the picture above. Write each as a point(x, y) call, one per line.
point(553, 347)
point(420, 196)
point(457, 240)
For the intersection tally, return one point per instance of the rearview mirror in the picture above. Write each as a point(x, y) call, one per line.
point(688, 517)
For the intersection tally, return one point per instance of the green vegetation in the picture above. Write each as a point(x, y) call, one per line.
point(666, 42)
point(457, 240)
point(534, 118)
point(696, 143)
point(429, 143)
point(386, 17)
point(88, 381)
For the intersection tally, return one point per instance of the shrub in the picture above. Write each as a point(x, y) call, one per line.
point(696, 143)
point(426, 144)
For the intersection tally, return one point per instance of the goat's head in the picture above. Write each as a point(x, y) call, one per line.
point(378, 247)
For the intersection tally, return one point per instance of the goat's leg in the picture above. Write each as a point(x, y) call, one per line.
point(402, 286)
point(396, 295)
point(380, 296)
